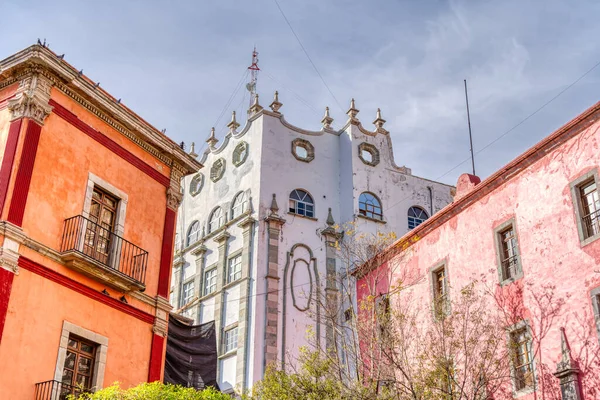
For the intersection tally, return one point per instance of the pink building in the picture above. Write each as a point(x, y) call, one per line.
point(531, 228)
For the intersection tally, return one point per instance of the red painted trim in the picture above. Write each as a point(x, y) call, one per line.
point(166, 254)
point(110, 144)
point(6, 279)
point(54, 276)
point(4, 102)
point(23, 179)
point(9, 157)
point(156, 358)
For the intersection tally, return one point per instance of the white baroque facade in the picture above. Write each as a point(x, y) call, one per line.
point(253, 225)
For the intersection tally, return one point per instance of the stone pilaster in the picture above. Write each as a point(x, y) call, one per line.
point(274, 223)
point(567, 371)
point(221, 239)
point(177, 278)
point(247, 224)
point(199, 252)
point(332, 237)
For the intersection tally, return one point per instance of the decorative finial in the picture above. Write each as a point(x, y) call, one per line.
point(233, 125)
point(212, 140)
point(330, 221)
point(255, 108)
point(192, 152)
point(274, 207)
point(327, 120)
point(352, 112)
point(379, 122)
point(276, 105)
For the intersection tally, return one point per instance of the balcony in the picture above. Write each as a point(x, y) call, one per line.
point(55, 390)
point(101, 254)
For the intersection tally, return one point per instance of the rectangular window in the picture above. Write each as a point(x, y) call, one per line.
point(235, 269)
point(78, 368)
point(522, 359)
point(188, 292)
point(509, 253)
point(596, 306)
point(440, 292)
point(590, 209)
point(98, 231)
point(231, 339)
point(210, 281)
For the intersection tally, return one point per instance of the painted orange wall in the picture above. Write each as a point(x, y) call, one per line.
point(33, 328)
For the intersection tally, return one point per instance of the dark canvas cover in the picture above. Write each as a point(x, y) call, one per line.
point(191, 358)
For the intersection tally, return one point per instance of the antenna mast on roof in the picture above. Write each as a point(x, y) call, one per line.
point(470, 135)
point(251, 86)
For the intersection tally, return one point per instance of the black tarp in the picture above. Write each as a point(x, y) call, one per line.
point(191, 358)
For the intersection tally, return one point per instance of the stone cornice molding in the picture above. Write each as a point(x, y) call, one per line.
point(222, 237)
point(246, 222)
point(75, 85)
point(31, 99)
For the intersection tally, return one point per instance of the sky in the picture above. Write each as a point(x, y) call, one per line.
point(177, 64)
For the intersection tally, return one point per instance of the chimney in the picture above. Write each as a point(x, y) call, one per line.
point(466, 183)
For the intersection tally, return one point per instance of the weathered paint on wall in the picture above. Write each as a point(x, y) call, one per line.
point(534, 191)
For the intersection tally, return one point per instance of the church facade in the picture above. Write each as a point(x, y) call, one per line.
point(254, 226)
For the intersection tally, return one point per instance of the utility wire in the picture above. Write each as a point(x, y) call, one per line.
point(307, 56)
point(298, 97)
point(511, 129)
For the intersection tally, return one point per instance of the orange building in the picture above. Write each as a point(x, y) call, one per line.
point(88, 200)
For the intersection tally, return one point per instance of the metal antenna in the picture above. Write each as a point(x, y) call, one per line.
point(251, 86)
point(469, 121)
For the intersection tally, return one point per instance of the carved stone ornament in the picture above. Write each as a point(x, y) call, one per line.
point(240, 154)
point(196, 184)
point(303, 150)
point(31, 99)
point(368, 154)
point(174, 198)
point(217, 170)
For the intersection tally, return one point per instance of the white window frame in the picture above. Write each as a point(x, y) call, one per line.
point(219, 222)
point(239, 207)
point(213, 276)
point(68, 329)
point(185, 299)
point(230, 342)
point(235, 261)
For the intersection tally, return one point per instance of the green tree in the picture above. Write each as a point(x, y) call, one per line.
point(154, 391)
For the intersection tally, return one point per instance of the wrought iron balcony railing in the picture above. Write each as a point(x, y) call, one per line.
point(591, 223)
point(55, 390)
point(83, 239)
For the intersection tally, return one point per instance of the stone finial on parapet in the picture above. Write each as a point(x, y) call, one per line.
point(276, 105)
point(212, 140)
point(466, 183)
point(274, 207)
point(256, 107)
point(233, 125)
point(567, 371)
point(353, 112)
point(327, 120)
point(192, 150)
point(379, 122)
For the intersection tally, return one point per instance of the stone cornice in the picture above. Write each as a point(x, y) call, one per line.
point(68, 80)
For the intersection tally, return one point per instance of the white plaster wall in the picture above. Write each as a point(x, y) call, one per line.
point(335, 178)
point(227, 380)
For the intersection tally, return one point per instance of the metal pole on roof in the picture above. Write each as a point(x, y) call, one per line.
point(469, 121)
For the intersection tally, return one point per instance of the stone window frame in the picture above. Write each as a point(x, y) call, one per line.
point(223, 218)
point(577, 205)
point(183, 284)
point(595, 295)
point(310, 150)
point(194, 193)
point(244, 205)
point(96, 181)
point(509, 331)
point(376, 158)
point(208, 269)
point(237, 150)
point(100, 360)
point(232, 256)
point(441, 265)
point(217, 170)
point(498, 245)
point(231, 327)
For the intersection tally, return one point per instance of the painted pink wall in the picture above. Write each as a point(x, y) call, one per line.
point(539, 199)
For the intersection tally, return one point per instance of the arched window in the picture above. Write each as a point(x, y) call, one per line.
point(416, 215)
point(193, 232)
point(216, 220)
point(370, 206)
point(301, 203)
point(240, 205)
